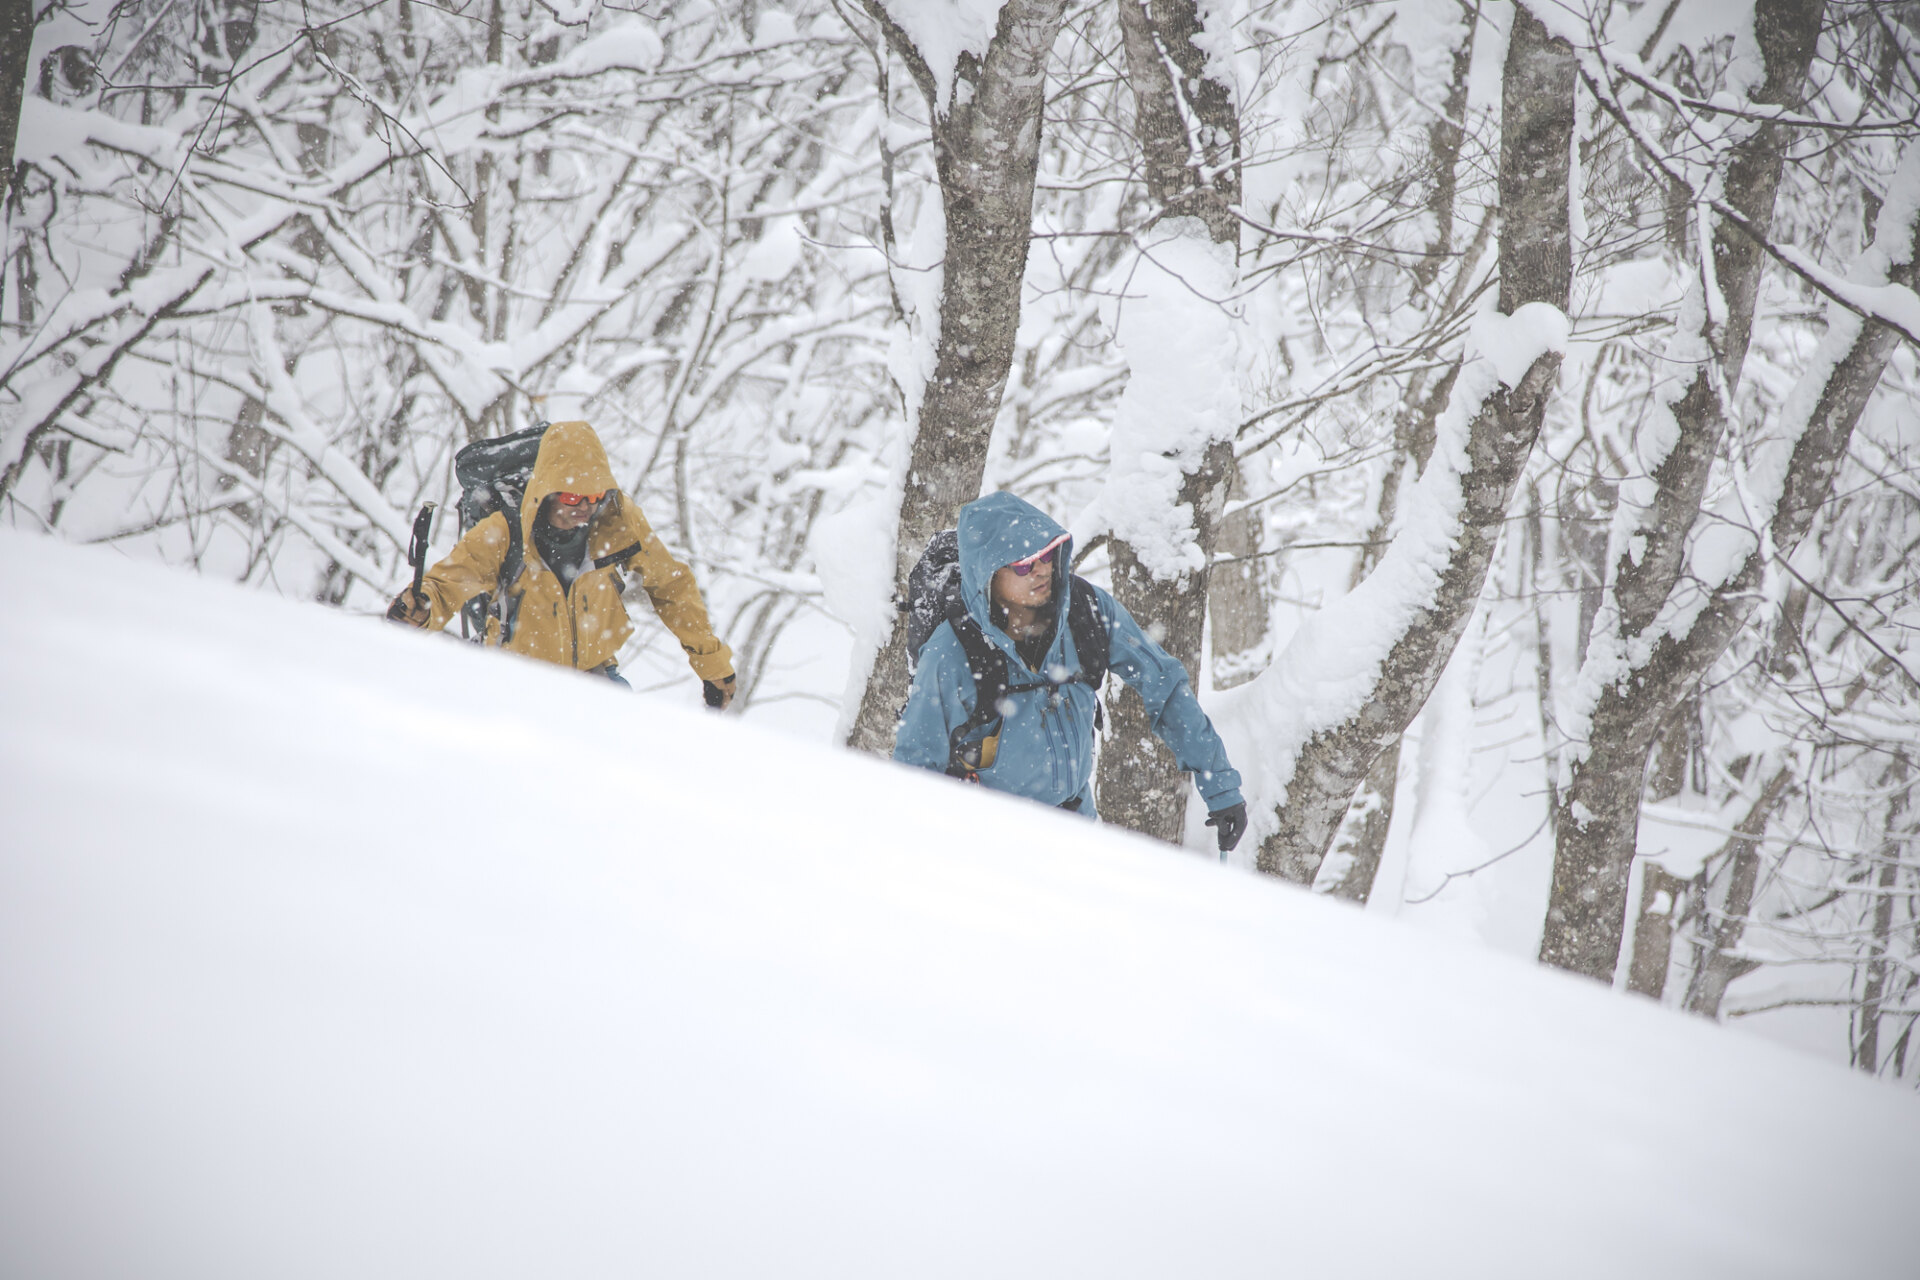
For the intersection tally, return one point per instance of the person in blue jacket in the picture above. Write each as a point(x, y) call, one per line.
point(1015, 584)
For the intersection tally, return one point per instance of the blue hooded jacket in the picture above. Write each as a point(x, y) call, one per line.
point(1046, 738)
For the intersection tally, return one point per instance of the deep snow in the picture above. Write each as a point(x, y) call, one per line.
point(332, 951)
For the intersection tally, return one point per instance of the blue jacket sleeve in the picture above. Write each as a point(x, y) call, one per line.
point(1172, 709)
point(936, 704)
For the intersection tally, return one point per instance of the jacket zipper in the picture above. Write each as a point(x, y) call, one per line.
point(1049, 717)
point(573, 624)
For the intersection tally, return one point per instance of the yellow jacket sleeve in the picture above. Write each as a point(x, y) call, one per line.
point(471, 567)
point(676, 598)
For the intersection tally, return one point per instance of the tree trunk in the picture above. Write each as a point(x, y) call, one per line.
point(1363, 835)
point(1190, 173)
point(1715, 964)
point(1362, 838)
point(1139, 786)
point(1672, 758)
point(16, 48)
point(1787, 31)
point(1598, 818)
point(1535, 266)
point(1660, 898)
point(986, 147)
point(1237, 594)
point(1866, 1049)
point(1446, 134)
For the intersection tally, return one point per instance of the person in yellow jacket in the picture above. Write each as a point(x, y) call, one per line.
point(581, 537)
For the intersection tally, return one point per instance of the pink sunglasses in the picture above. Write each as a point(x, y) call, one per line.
point(1021, 568)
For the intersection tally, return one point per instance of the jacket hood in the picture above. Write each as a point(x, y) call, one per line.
point(571, 460)
point(993, 532)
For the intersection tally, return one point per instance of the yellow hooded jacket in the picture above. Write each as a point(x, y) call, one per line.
point(583, 626)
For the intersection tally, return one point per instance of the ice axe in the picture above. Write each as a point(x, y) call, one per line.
point(417, 547)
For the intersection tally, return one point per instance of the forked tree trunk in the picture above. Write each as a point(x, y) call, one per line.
point(1597, 821)
point(986, 146)
point(1591, 861)
point(1535, 266)
point(1189, 136)
point(1583, 932)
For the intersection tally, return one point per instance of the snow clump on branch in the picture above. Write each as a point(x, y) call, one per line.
point(942, 30)
point(1175, 326)
point(1332, 666)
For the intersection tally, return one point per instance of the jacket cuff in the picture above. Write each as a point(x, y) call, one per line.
point(715, 666)
point(1224, 800)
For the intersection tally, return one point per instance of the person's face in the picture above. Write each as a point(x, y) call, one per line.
point(1029, 592)
point(563, 517)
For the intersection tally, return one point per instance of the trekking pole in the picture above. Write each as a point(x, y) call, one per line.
point(417, 548)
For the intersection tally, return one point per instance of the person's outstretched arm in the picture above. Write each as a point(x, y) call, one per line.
point(676, 598)
point(1172, 709)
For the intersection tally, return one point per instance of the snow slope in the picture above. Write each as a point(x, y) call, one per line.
point(332, 951)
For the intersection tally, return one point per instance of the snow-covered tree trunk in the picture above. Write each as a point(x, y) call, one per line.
point(1362, 838)
point(1628, 696)
point(1354, 861)
point(984, 96)
point(1172, 451)
point(1715, 595)
point(1392, 638)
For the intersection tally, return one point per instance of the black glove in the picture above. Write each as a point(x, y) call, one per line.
point(1229, 825)
point(411, 608)
point(718, 695)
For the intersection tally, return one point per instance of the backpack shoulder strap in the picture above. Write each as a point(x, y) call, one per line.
point(988, 666)
point(510, 567)
point(1090, 639)
point(619, 557)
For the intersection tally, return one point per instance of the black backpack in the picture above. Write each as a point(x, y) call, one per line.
point(493, 476)
point(933, 597)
